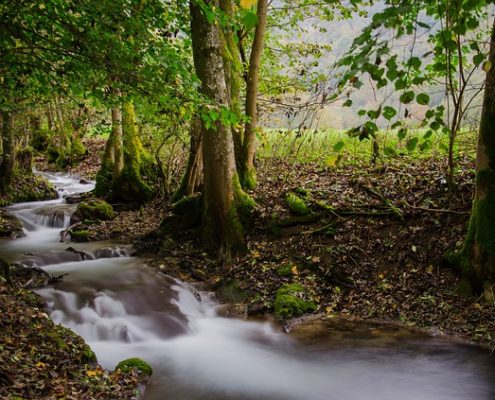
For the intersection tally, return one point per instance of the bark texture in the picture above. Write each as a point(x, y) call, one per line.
point(7, 158)
point(248, 173)
point(478, 258)
point(192, 181)
point(220, 222)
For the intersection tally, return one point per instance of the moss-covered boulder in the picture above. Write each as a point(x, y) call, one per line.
point(79, 235)
point(28, 187)
point(292, 301)
point(10, 226)
point(296, 204)
point(93, 209)
point(135, 364)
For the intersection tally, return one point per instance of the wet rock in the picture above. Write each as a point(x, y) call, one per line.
point(77, 198)
point(92, 209)
point(10, 226)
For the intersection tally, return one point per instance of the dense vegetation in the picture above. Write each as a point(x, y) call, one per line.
point(210, 112)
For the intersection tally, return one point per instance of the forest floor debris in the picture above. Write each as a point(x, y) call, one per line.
point(372, 246)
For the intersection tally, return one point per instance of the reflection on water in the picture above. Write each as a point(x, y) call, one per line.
point(125, 309)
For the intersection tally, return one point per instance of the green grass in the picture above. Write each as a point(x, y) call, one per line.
point(328, 147)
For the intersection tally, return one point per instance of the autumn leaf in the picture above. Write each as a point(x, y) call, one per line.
point(248, 3)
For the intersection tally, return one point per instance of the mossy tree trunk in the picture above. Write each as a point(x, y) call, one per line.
point(7, 158)
point(192, 180)
point(478, 258)
point(112, 160)
point(233, 76)
point(129, 185)
point(221, 223)
point(248, 172)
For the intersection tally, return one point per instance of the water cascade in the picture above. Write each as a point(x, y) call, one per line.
point(123, 308)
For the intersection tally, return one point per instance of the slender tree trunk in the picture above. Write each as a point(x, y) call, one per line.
point(478, 259)
point(193, 177)
point(7, 158)
point(233, 77)
point(248, 177)
point(117, 141)
point(221, 224)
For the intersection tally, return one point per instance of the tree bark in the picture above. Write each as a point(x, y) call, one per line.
point(128, 184)
point(221, 224)
point(233, 77)
point(192, 180)
point(248, 176)
point(7, 158)
point(478, 258)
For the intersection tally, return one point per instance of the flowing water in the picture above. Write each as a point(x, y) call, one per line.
point(124, 309)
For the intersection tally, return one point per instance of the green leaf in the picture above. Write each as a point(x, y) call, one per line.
point(337, 147)
point(412, 143)
point(478, 59)
point(407, 97)
point(422, 99)
point(250, 20)
point(347, 103)
point(402, 133)
point(361, 112)
point(389, 112)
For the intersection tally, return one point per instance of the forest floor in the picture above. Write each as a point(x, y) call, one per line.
point(371, 248)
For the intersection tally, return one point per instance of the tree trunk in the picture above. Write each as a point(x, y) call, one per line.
point(221, 224)
point(128, 184)
point(248, 176)
point(104, 178)
point(192, 180)
point(478, 258)
point(117, 141)
point(7, 158)
point(233, 77)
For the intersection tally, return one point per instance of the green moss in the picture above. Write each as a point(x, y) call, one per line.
point(81, 235)
point(130, 364)
point(284, 270)
point(485, 224)
point(230, 291)
point(95, 209)
point(249, 181)
point(303, 193)
point(296, 205)
point(188, 204)
point(53, 152)
point(77, 149)
point(104, 179)
point(245, 204)
point(88, 355)
point(40, 139)
point(291, 301)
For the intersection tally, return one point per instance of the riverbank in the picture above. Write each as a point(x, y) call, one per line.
point(371, 247)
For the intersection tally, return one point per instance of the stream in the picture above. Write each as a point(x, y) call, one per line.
point(122, 308)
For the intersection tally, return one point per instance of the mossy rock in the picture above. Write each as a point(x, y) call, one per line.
point(296, 204)
point(81, 235)
point(231, 291)
point(135, 364)
point(292, 301)
point(88, 356)
point(94, 209)
point(29, 187)
point(10, 226)
point(40, 139)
